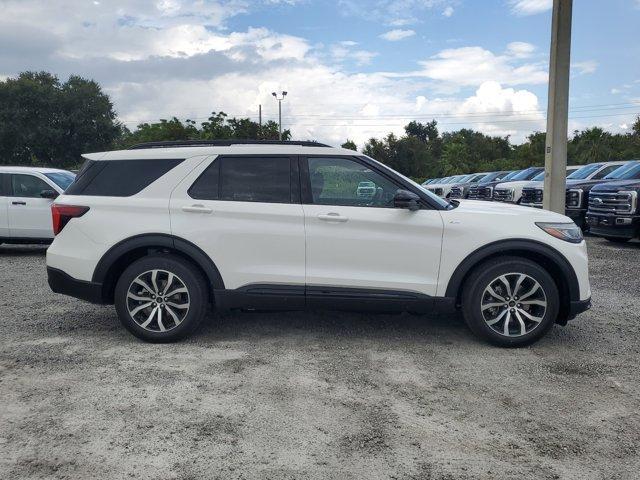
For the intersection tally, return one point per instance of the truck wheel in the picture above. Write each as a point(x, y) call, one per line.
point(510, 301)
point(161, 298)
point(617, 239)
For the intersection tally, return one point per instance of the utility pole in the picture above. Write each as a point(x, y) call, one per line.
point(279, 98)
point(555, 158)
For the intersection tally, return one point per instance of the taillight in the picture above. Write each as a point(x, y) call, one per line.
point(63, 213)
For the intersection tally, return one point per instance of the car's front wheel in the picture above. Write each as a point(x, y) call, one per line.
point(510, 301)
point(161, 298)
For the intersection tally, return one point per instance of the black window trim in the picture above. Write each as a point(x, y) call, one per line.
point(294, 172)
point(305, 180)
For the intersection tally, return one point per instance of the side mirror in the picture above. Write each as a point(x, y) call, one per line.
point(50, 194)
point(406, 199)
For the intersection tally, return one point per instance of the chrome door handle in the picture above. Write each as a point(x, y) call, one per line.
point(332, 217)
point(197, 209)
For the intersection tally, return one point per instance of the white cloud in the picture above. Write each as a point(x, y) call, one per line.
point(520, 49)
point(397, 34)
point(503, 111)
point(530, 7)
point(159, 58)
point(448, 11)
point(585, 68)
point(344, 51)
point(472, 66)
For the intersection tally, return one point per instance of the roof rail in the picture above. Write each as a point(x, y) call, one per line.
point(224, 143)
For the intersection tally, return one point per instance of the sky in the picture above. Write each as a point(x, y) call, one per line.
point(352, 68)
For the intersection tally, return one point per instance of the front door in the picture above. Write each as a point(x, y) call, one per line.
point(29, 213)
point(355, 236)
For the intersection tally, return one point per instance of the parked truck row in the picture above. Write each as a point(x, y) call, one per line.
point(601, 198)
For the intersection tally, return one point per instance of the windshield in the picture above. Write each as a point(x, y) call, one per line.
point(476, 177)
point(490, 177)
point(584, 172)
point(456, 179)
point(527, 174)
point(624, 172)
point(62, 179)
point(511, 175)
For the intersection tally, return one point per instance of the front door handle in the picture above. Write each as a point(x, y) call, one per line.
point(18, 203)
point(332, 217)
point(197, 209)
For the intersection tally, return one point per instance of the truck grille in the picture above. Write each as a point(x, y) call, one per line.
point(613, 202)
point(502, 195)
point(477, 192)
point(456, 192)
point(531, 197)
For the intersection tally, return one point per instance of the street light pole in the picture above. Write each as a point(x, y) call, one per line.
point(279, 98)
point(555, 157)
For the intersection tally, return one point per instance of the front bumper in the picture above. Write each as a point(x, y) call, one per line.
point(619, 226)
point(577, 307)
point(577, 215)
point(65, 284)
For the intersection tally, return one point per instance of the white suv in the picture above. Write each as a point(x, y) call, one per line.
point(165, 230)
point(26, 194)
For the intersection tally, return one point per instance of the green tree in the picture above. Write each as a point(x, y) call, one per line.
point(46, 122)
point(350, 145)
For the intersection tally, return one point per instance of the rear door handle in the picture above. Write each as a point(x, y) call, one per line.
point(197, 209)
point(18, 203)
point(332, 217)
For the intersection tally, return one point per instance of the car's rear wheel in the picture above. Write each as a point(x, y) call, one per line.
point(510, 302)
point(161, 298)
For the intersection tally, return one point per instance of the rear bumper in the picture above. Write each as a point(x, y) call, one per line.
point(65, 284)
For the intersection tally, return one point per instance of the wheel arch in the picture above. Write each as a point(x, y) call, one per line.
point(551, 259)
point(118, 257)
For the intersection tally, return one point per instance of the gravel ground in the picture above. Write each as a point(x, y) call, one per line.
point(316, 395)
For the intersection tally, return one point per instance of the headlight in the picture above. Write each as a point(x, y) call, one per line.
point(569, 232)
point(574, 198)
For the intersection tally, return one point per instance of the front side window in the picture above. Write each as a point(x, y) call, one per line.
point(28, 186)
point(344, 181)
point(605, 171)
point(245, 179)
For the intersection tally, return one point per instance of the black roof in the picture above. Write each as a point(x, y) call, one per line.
point(224, 143)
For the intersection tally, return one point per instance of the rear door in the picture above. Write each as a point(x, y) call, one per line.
point(244, 212)
point(29, 213)
point(4, 209)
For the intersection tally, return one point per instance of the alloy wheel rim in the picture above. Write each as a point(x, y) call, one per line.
point(513, 304)
point(158, 300)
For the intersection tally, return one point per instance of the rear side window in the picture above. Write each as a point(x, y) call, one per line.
point(119, 178)
point(245, 179)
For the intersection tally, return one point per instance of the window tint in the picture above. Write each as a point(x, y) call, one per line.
point(245, 179)
point(3, 185)
point(343, 181)
point(28, 186)
point(119, 178)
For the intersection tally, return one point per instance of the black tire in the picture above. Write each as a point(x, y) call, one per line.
point(617, 239)
point(196, 297)
point(474, 294)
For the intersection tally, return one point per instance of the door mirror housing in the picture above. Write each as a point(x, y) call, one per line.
point(406, 199)
point(50, 194)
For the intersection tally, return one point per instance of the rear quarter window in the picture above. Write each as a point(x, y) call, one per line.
point(119, 178)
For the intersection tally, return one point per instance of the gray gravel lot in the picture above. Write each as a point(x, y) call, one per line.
point(316, 395)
